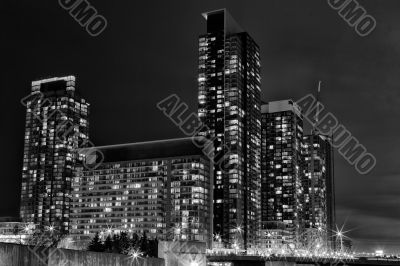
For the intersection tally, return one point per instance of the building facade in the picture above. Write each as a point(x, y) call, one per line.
point(56, 127)
point(161, 188)
point(16, 232)
point(319, 196)
point(282, 191)
point(230, 106)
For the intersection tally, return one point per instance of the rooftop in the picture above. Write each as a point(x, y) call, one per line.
point(281, 106)
point(155, 149)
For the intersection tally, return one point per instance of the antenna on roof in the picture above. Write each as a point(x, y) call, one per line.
point(315, 129)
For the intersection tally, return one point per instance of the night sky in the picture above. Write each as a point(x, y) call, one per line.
point(149, 51)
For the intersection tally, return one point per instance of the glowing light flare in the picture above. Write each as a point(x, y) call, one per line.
point(50, 228)
point(218, 237)
point(135, 254)
point(340, 232)
point(239, 229)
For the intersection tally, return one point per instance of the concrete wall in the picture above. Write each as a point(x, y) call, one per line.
point(18, 255)
point(176, 253)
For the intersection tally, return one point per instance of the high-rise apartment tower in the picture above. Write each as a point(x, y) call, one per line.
point(229, 105)
point(56, 127)
point(282, 191)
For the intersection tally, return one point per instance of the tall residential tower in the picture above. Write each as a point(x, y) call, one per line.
point(319, 186)
point(56, 126)
point(229, 105)
point(318, 183)
point(282, 191)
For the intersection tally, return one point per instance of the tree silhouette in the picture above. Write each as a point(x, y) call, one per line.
point(108, 244)
point(123, 244)
point(144, 244)
point(134, 241)
point(96, 244)
point(115, 244)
